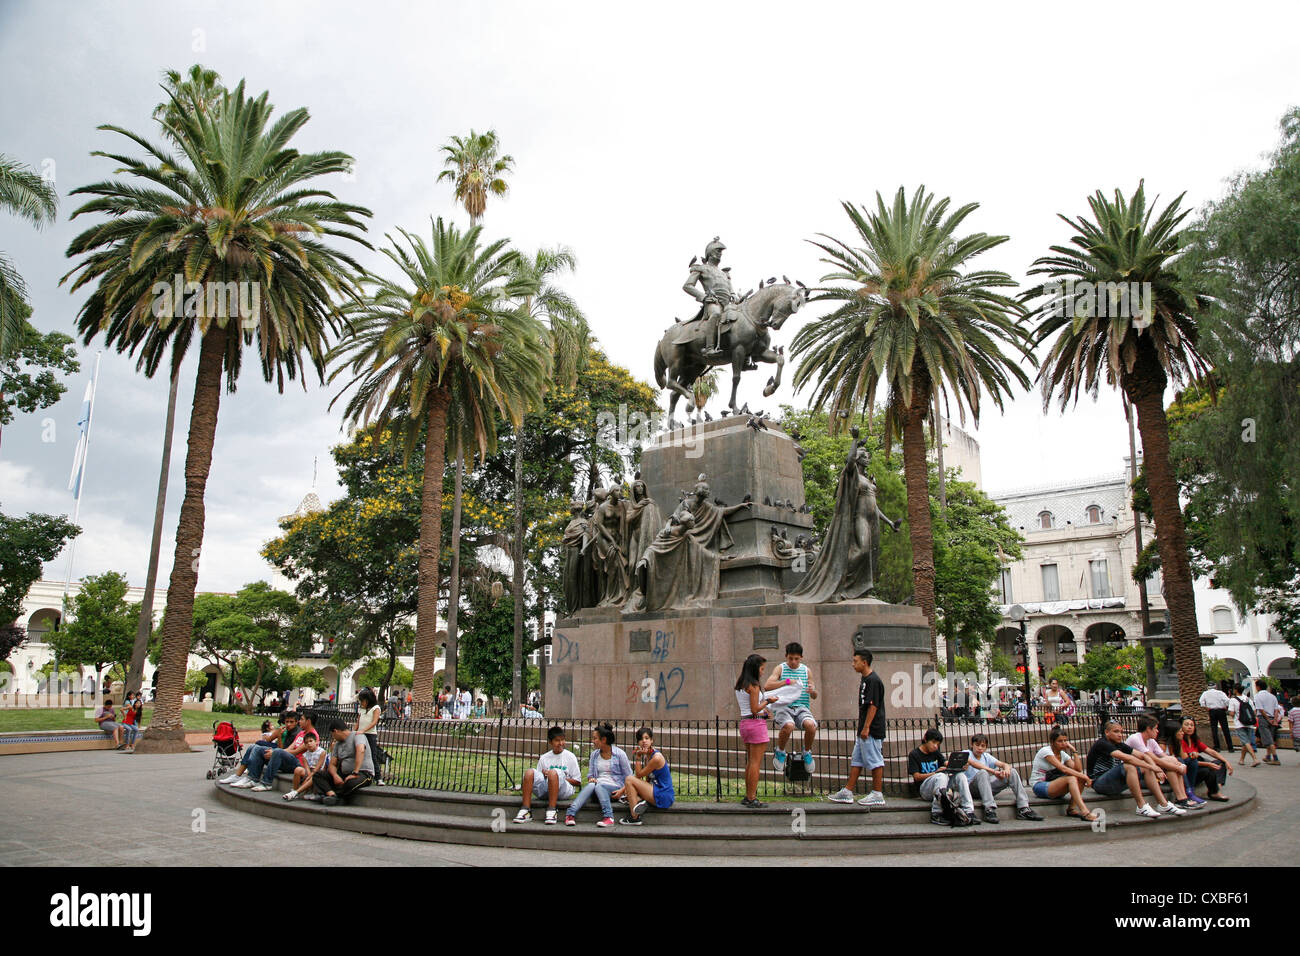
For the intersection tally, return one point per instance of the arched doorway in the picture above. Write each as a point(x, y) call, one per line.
point(1284, 669)
point(1240, 672)
point(1055, 646)
point(1103, 632)
point(41, 623)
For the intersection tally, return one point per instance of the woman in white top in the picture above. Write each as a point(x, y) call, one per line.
point(1057, 769)
point(368, 724)
point(753, 724)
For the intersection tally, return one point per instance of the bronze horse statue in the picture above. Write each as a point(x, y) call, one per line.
point(680, 356)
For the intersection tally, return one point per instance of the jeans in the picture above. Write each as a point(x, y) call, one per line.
point(1196, 773)
point(323, 783)
point(255, 759)
point(604, 794)
point(280, 761)
point(931, 786)
point(129, 733)
point(988, 786)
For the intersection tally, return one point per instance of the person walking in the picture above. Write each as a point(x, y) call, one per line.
point(1243, 723)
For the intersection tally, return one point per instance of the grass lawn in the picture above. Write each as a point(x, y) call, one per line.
point(77, 718)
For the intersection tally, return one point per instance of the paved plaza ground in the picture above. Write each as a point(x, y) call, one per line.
point(101, 808)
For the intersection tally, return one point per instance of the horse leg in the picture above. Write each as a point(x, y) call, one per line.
point(737, 366)
point(774, 382)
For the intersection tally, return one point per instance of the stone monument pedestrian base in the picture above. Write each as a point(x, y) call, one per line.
point(683, 665)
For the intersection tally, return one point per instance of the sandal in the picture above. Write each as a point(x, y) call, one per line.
point(1217, 798)
point(1090, 816)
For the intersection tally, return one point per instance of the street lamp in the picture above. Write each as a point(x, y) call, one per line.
point(1020, 616)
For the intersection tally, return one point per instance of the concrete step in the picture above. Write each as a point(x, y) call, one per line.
point(703, 828)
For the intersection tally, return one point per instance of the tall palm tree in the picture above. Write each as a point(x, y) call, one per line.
point(1152, 341)
point(570, 342)
point(914, 319)
point(198, 90)
point(25, 194)
point(475, 169)
point(236, 205)
point(445, 333)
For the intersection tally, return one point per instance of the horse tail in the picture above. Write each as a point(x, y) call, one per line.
point(661, 367)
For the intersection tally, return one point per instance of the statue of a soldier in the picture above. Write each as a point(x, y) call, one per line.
point(717, 299)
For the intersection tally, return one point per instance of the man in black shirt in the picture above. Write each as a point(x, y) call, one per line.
point(929, 774)
point(867, 749)
point(1113, 765)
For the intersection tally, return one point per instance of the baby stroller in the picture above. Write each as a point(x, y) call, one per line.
point(225, 749)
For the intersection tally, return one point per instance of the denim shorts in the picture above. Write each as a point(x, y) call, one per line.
point(1040, 790)
point(867, 753)
point(1265, 731)
point(1246, 735)
point(1113, 782)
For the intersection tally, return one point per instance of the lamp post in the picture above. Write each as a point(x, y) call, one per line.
point(1020, 616)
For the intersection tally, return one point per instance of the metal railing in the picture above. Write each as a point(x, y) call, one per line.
point(707, 757)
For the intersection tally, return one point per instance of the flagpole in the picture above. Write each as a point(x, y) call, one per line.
point(76, 505)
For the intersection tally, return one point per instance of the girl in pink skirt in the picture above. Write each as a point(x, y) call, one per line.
point(753, 723)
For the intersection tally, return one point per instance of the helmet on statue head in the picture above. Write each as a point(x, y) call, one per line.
point(714, 248)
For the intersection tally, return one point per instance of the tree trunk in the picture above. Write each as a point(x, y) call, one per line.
point(517, 589)
point(917, 477)
point(1145, 388)
point(453, 600)
point(166, 732)
point(426, 608)
point(145, 625)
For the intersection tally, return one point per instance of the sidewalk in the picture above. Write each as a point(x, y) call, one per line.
point(103, 808)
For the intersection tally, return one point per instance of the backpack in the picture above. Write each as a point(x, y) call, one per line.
point(1246, 712)
point(951, 808)
point(796, 771)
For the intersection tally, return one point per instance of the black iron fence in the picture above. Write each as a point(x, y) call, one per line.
point(707, 757)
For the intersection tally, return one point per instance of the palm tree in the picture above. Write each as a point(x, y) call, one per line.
point(475, 169)
point(199, 90)
point(915, 320)
point(234, 207)
point(475, 166)
point(1151, 341)
point(25, 194)
point(570, 342)
point(445, 334)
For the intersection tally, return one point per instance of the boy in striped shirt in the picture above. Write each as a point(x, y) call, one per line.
point(787, 716)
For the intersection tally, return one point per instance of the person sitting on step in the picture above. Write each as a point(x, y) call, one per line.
point(555, 777)
point(989, 776)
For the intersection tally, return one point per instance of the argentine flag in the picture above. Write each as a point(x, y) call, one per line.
point(83, 441)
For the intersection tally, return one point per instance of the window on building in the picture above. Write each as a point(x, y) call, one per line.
point(1223, 622)
point(1004, 586)
point(1045, 520)
point(1100, 579)
point(1094, 514)
point(1051, 584)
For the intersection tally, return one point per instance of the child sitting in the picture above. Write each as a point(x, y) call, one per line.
point(314, 759)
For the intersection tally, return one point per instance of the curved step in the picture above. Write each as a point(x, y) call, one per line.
point(707, 828)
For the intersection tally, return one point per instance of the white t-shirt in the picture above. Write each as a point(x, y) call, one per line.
point(1234, 708)
point(1139, 742)
point(1266, 705)
point(564, 763)
point(1214, 699)
point(987, 759)
point(603, 774)
point(1038, 772)
point(312, 758)
point(370, 720)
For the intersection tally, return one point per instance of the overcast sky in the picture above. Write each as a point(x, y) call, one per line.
point(639, 133)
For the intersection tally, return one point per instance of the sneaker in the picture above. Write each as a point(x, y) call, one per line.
point(552, 817)
point(1188, 804)
point(753, 804)
point(229, 778)
point(778, 760)
point(808, 761)
point(524, 816)
point(330, 801)
point(260, 787)
point(1172, 809)
point(639, 808)
point(570, 821)
point(623, 799)
point(312, 797)
point(1027, 813)
point(607, 822)
point(874, 799)
point(991, 815)
point(844, 795)
point(380, 783)
point(1146, 810)
point(291, 795)
point(243, 783)
point(630, 822)
point(938, 819)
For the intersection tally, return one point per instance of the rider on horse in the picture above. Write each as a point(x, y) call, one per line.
point(716, 297)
